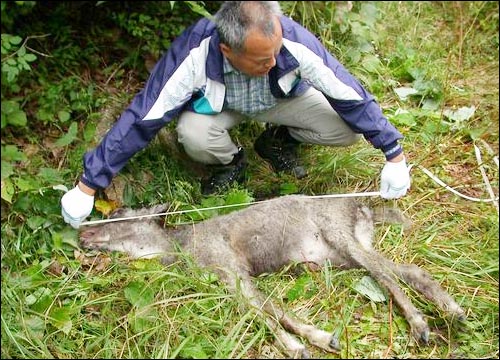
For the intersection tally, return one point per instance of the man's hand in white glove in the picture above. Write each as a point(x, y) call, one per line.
point(394, 179)
point(76, 206)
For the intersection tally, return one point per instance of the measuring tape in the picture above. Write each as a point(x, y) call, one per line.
point(94, 222)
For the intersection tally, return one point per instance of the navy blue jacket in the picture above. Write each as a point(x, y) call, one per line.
point(189, 76)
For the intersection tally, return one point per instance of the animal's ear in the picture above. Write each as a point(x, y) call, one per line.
point(158, 209)
point(127, 212)
point(118, 213)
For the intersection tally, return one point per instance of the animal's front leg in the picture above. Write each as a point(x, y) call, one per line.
point(423, 282)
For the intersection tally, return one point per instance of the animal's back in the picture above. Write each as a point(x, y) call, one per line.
point(290, 228)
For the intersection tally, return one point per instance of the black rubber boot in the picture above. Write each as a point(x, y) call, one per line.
point(224, 176)
point(277, 146)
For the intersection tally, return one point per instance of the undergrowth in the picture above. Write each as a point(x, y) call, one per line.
point(433, 67)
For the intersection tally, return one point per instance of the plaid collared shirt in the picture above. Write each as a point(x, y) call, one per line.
point(245, 94)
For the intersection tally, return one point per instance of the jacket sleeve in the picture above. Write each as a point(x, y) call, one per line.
point(343, 91)
point(169, 87)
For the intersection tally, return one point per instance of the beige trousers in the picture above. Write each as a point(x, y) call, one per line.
point(309, 118)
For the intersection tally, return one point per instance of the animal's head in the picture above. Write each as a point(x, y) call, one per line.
point(134, 226)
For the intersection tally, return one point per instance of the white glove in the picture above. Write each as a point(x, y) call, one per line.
point(76, 206)
point(394, 180)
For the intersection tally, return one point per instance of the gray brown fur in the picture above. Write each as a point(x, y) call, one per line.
point(264, 237)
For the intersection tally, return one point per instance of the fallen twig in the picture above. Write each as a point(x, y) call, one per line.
point(485, 178)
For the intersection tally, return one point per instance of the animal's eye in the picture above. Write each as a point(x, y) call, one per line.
point(117, 213)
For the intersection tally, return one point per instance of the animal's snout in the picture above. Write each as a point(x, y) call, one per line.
point(92, 236)
point(86, 235)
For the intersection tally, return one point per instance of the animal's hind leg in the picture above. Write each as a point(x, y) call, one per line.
point(421, 280)
point(293, 347)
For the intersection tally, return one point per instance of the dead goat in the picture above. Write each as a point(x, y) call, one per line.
point(265, 237)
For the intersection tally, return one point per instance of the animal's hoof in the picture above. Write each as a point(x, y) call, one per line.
point(298, 353)
point(305, 354)
point(424, 336)
point(335, 343)
point(419, 328)
point(461, 323)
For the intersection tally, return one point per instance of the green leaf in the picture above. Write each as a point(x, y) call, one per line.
point(369, 13)
point(5, 46)
point(404, 92)
point(35, 326)
point(11, 72)
point(477, 133)
point(27, 183)
point(354, 55)
point(61, 319)
point(7, 169)
point(9, 106)
point(68, 236)
point(57, 241)
point(69, 137)
point(30, 57)
point(15, 40)
point(8, 190)
point(49, 175)
point(236, 197)
point(403, 117)
point(11, 153)
point(304, 287)
point(128, 195)
point(142, 320)
point(17, 118)
point(35, 222)
point(139, 294)
point(288, 188)
point(210, 202)
point(43, 303)
point(369, 288)
point(63, 115)
point(430, 104)
point(89, 131)
point(371, 63)
point(36, 295)
point(61, 187)
point(197, 8)
point(193, 349)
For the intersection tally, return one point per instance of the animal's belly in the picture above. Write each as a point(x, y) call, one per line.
point(269, 252)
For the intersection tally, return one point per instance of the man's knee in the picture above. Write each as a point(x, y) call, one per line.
point(194, 140)
point(204, 139)
point(350, 139)
point(192, 137)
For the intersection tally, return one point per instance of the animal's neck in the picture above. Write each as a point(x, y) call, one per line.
point(180, 233)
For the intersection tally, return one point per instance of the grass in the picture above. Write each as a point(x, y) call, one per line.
point(61, 302)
